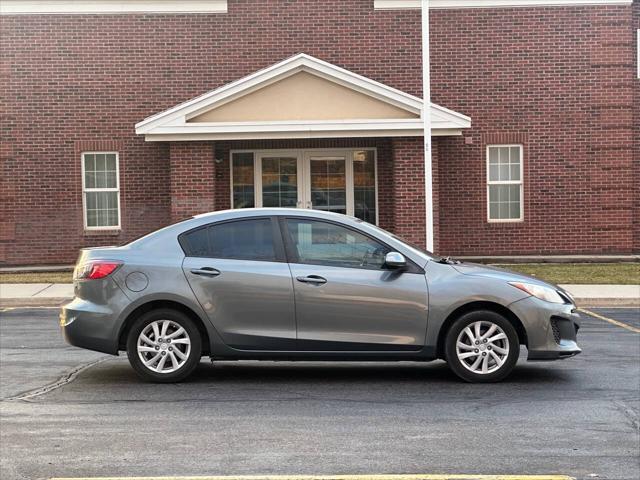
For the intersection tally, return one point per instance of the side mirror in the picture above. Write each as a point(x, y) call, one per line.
point(395, 260)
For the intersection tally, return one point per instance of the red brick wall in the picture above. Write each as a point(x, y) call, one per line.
point(636, 122)
point(559, 80)
point(41, 197)
point(408, 189)
point(192, 172)
point(562, 77)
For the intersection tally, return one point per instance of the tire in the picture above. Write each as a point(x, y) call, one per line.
point(181, 344)
point(496, 357)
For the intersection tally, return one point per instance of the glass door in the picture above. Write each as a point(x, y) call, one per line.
point(279, 180)
point(326, 182)
point(341, 180)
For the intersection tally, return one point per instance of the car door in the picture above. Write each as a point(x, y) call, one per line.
point(346, 298)
point(238, 272)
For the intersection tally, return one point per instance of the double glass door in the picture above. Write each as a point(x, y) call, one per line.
point(341, 181)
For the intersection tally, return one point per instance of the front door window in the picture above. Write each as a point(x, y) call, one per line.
point(328, 183)
point(341, 181)
point(279, 181)
point(322, 243)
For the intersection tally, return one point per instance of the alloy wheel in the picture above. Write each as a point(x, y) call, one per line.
point(482, 347)
point(163, 346)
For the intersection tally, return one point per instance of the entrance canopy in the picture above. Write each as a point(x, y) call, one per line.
point(300, 97)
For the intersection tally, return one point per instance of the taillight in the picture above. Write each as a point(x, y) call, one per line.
point(95, 269)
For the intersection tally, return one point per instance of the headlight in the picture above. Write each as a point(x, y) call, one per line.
point(543, 293)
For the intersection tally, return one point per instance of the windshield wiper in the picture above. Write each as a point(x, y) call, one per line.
point(449, 261)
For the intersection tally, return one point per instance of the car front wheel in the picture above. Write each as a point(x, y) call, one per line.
point(482, 346)
point(164, 346)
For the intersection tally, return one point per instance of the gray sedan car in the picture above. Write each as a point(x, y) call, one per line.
point(289, 284)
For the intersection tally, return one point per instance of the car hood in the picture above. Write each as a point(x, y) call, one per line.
point(499, 274)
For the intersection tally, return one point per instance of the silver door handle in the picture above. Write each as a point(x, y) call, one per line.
point(206, 271)
point(313, 279)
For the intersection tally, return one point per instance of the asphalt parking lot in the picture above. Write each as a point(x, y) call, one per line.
point(577, 417)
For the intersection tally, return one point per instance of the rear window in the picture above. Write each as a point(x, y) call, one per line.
point(241, 240)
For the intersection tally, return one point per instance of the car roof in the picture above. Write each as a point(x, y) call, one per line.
point(255, 212)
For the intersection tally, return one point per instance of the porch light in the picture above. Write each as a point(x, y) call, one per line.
point(359, 156)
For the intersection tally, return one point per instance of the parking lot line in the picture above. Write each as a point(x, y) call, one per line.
point(343, 477)
point(610, 320)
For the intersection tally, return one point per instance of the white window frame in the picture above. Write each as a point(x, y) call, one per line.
point(505, 182)
point(86, 190)
point(303, 159)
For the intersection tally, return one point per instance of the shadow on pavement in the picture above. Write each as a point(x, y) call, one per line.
point(318, 375)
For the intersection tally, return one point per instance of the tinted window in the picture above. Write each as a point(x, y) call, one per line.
point(322, 243)
point(196, 243)
point(242, 240)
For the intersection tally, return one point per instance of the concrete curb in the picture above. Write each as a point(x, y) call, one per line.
point(608, 302)
point(58, 301)
point(32, 302)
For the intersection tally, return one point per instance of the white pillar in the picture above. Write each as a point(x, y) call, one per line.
point(426, 116)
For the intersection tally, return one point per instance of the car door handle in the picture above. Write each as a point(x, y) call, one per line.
point(313, 279)
point(206, 271)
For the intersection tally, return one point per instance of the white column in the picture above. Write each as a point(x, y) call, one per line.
point(426, 116)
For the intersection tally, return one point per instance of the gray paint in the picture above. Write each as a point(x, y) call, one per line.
point(383, 308)
point(250, 303)
point(259, 309)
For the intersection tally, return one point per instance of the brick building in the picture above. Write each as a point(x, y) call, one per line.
point(121, 117)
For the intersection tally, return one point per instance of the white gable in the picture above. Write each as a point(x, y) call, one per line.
point(381, 111)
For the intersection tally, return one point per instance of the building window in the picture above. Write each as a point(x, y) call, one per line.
point(504, 183)
point(364, 185)
point(101, 190)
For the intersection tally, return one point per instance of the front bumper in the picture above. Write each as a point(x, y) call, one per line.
point(551, 328)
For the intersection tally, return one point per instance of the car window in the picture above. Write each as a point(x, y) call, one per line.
point(322, 243)
point(242, 240)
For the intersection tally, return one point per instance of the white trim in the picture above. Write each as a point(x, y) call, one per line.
point(303, 155)
point(302, 129)
point(506, 182)
point(296, 135)
point(172, 124)
point(437, 4)
point(85, 190)
point(92, 7)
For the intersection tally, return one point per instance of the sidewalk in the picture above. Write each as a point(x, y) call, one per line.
point(54, 294)
point(35, 294)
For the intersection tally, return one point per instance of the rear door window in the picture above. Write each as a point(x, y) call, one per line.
point(251, 239)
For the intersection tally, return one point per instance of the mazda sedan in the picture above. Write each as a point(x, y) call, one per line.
point(290, 284)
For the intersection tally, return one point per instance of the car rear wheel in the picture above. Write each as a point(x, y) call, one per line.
point(482, 346)
point(164, 346)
